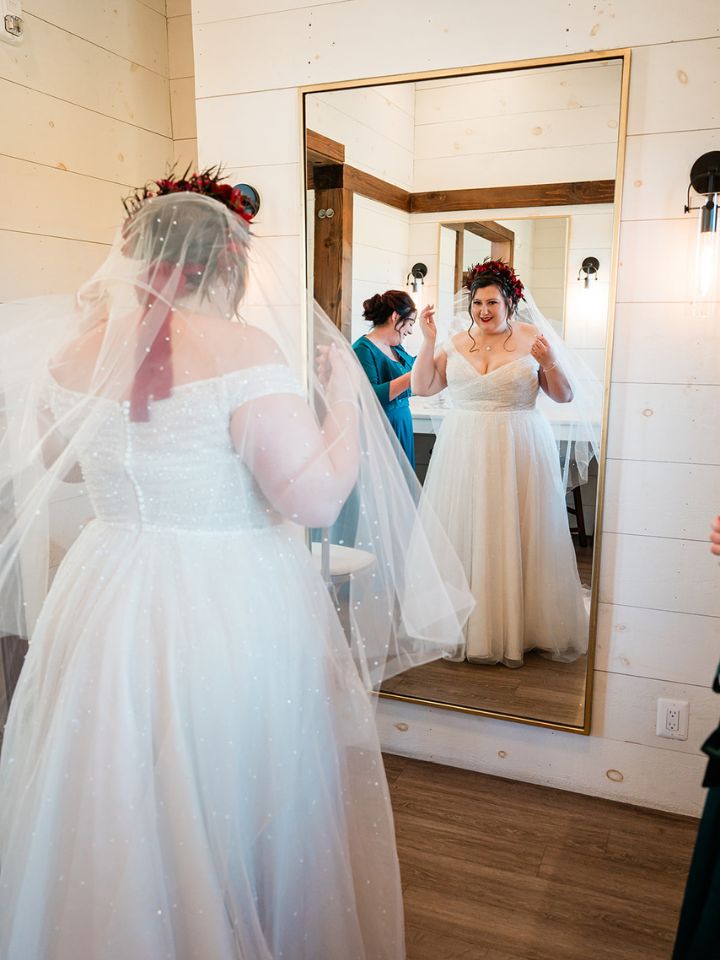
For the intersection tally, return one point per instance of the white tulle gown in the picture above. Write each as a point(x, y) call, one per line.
point(494, 482)
point(190, 769)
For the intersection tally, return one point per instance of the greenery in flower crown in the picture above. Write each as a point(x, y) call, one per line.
point(207, 183)
point(500, 273)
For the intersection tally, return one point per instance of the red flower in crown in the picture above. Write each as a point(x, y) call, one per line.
point(502, 273)
point(207, 183)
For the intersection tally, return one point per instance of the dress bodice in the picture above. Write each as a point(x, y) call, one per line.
point(179, 469)
point(513, 386)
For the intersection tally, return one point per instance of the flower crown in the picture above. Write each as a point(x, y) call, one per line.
point(502, 273)
point(207, 183)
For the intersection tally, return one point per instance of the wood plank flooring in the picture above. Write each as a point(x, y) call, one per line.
point(501, 870)
point(540, 689)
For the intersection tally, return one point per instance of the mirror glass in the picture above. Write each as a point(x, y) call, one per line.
point(409, 185)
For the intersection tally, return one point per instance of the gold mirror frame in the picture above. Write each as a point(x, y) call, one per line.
point(622, 54)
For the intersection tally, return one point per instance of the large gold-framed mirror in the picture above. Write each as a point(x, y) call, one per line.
point(411, 180)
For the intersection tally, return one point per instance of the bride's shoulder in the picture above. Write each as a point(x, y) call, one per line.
point(526, 329)
point(458, 341)
point(241, 345)
point(73, 365)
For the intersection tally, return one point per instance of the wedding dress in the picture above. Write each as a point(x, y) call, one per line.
point(204, 648)
point(495, 484)
point(190, 768)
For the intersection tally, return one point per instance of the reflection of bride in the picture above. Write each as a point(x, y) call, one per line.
point(495, 480)
point(190, 766)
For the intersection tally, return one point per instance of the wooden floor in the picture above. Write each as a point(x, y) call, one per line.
point(540, 689)
point(500, 870)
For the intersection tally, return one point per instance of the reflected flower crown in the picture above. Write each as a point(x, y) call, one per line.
point(207, 183)
point(502, 274)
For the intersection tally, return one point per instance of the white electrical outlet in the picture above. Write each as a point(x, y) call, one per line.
point(672, 719)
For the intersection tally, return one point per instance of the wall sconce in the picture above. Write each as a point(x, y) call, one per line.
point(589, 267)
point(705, 180)
point(251, 198)
point(418, 271)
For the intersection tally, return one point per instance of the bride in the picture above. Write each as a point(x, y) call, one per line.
point(190, 767)
point(495, 481)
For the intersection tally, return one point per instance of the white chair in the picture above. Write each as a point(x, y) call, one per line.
point(337, 563)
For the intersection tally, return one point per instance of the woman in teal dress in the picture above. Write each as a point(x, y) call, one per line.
point(387, 365)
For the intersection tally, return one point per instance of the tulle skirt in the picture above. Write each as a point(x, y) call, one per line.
point(494, 483)
point(190, 768)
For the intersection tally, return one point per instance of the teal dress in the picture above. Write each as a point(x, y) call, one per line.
point(698, 936)
point(380, 370)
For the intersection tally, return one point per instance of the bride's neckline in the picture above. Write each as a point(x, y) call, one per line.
point(489, 373)
point(188, 384)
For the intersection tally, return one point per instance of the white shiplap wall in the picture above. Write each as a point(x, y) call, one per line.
point(380, 257)
point(659, 613)
point(181, 71)
point(492, 130)
point(376, 126)
point(87, 94)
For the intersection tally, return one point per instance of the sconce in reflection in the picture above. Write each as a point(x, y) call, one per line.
point(418, 272)
point(588, 268)
point(705, 181)
point(251, 198)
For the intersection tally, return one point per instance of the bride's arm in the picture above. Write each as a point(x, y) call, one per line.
point(53, 447)
point(306, 471)
point(428, 372)
point(552, 379)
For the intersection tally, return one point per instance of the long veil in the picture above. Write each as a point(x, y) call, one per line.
point(185, 297)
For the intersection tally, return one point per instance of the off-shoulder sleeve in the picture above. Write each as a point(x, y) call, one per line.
point(253, 383)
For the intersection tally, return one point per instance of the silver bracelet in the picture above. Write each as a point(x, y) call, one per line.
point(551, 367)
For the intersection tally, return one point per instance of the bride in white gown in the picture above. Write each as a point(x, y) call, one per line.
point(190, 768)
point(495, 481)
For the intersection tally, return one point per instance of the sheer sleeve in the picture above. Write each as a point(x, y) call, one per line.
point(257, 382)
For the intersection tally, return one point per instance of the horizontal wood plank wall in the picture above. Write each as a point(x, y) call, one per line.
point(664, 492)
point(182, 85)
point(88, 92)
point(323, 150)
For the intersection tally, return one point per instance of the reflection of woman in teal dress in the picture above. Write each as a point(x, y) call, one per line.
point(387, 365)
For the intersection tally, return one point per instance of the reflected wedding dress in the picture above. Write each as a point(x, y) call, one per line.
point(191, 769)
point(494, 482)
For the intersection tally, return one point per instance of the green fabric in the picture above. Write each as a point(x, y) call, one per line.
point(381, 370)
point(698, 936)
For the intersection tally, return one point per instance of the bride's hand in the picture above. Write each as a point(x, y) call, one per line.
point(715, 537)
point(543, 352)
point(323, 366)
point(427, 322)
point(335, 373)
